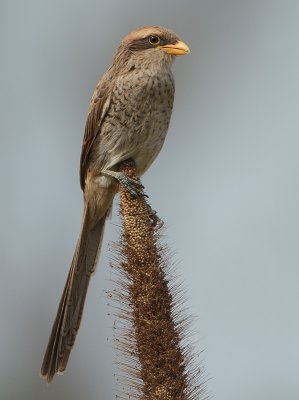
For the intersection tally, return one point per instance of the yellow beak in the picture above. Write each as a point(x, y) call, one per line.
point(178, 49)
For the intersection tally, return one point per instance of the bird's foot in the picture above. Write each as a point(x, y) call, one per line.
point(134, 187)
point(156, 222)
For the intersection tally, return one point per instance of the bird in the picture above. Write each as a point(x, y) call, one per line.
point(128, 118)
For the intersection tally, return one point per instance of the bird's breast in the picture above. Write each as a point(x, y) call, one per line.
point(138, 118)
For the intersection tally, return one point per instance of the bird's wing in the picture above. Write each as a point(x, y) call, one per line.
point(98, 108)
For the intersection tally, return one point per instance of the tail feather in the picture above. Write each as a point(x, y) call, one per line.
point(71, 305)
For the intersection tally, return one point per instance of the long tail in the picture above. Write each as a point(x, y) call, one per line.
point(71, 305)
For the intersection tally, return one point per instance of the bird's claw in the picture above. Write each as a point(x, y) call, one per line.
point(135, 188)
point(156, 222)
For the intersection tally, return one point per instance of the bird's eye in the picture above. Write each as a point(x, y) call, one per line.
point(154, 40)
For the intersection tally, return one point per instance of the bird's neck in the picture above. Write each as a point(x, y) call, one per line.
point(156, 64)
point(154, 61)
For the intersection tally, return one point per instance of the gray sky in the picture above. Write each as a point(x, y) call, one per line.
point(226, 184)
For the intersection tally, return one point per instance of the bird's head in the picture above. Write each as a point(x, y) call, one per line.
point(152, 44)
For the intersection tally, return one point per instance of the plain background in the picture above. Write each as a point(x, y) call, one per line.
point(226, 184)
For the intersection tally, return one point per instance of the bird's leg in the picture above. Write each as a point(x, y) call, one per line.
point(135, 188)
point(156, 222)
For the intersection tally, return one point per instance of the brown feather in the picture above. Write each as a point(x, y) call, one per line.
point(68, 318)
point(97, 110)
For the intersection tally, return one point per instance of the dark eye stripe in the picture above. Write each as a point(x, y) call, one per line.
point(144, 43)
